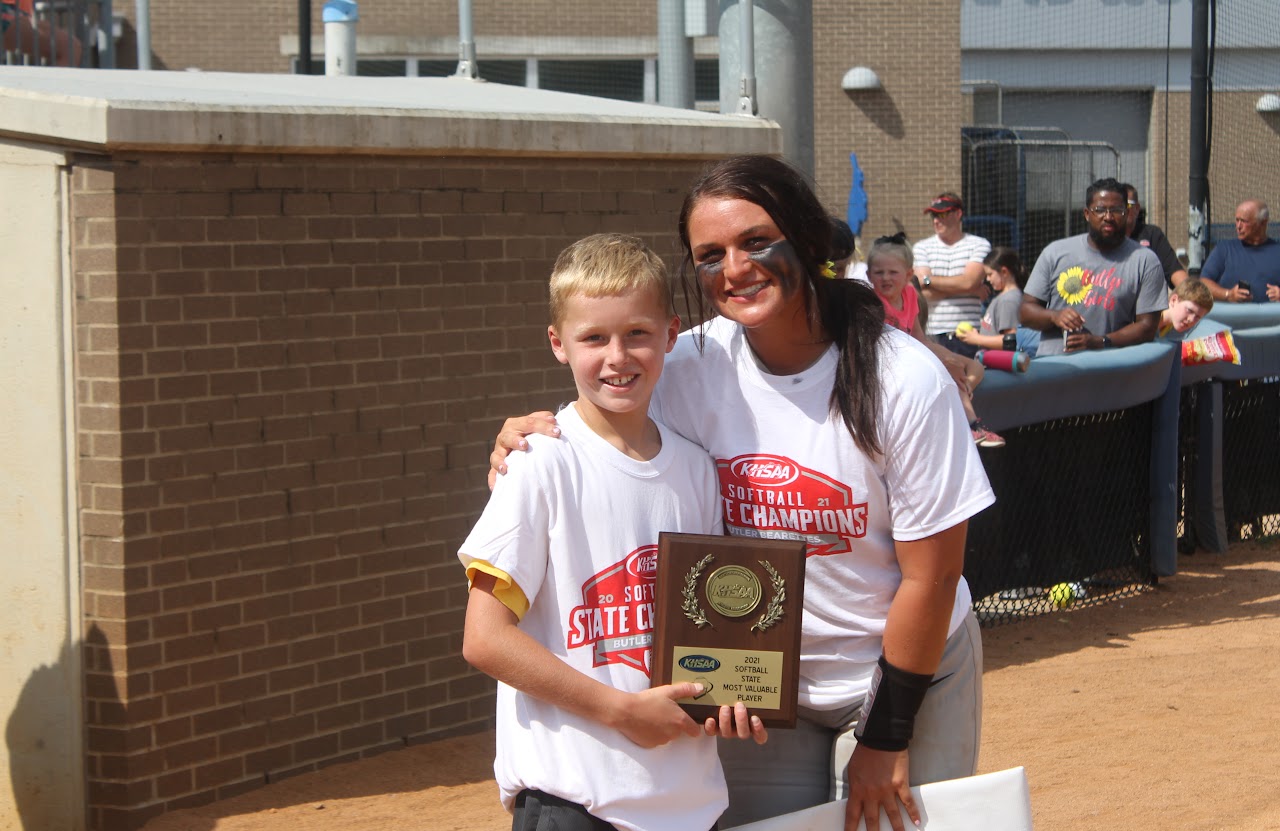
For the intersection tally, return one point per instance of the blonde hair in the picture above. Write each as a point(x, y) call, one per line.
point(894, 246)
point(1196, 292)
point(607, 264)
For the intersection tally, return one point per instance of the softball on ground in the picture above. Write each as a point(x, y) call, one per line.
point(964, 327)
point(1062, 594)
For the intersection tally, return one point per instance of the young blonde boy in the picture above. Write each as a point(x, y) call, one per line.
point(562, 566)
point(1188, 304)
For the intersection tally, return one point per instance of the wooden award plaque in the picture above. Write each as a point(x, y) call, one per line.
point(727, 614)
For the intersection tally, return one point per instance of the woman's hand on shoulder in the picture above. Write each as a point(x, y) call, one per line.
point(512, 437)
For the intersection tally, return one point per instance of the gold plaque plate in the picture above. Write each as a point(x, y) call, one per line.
point(752, 677)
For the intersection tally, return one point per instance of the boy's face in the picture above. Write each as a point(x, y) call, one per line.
point(1184, 313)
point(615, 345)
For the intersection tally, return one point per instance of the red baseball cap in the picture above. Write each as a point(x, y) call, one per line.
point(945, 202)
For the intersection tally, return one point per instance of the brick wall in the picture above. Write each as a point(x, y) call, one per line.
point(289, 372)
point(907, 134)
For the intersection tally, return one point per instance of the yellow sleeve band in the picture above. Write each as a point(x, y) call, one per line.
point(505, 589)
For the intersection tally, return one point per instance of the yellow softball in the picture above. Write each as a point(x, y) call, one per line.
point(1062, 594)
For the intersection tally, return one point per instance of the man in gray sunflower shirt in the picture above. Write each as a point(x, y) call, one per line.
point(1096, 290)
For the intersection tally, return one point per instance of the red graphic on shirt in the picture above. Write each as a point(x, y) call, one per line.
point(616, 615)
point(1104, 284)
point(775, 498)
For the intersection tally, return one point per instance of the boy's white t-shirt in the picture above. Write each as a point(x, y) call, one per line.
point(575, 524)
point(789, 469)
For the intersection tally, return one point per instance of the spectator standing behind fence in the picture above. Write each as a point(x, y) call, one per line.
point(999, 327)
point(846, 259)
point(949, 266)
point(1150, 236)
point(1247, 268)
point(1096, 290)
point(889, 269)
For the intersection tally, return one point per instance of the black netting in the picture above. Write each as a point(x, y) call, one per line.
point(1251, 457)
point(1070, 523)
point(1188, 430)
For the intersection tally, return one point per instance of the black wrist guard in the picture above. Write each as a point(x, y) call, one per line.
point(889, 711)
point(1010, 342)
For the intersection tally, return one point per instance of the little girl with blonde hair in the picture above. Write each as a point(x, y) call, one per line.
point(889, 264)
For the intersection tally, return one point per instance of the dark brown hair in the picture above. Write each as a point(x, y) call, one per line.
point(1002, 257)
point(847, 311)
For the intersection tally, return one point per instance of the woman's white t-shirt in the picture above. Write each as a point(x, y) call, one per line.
point(788, 468)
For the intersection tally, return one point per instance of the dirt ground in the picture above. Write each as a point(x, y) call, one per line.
point(1155, 712)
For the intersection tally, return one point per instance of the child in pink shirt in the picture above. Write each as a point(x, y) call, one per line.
point(889, 264)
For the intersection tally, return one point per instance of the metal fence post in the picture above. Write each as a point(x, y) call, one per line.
point(340, 18)
point(142, 8)
point(466, 43)
point(1198, 158)
point(675, 57)
point(304, 37)
point(106, 35)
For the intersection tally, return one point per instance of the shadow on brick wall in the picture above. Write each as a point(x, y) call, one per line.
point(878, 107)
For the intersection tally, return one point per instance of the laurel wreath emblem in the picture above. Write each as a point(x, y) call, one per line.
point(772, 612)
point(690, 605)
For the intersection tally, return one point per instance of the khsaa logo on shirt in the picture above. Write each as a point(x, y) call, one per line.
point(775, 498)
point(616, 615)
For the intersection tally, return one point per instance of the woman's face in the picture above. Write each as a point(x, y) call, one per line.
point(746, 267)
point(888, 275)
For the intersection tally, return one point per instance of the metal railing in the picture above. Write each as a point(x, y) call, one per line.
point(75, 33)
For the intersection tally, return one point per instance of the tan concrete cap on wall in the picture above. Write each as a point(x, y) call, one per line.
point(221, 111)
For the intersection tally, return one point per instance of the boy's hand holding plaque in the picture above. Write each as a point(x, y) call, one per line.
point(727, 614)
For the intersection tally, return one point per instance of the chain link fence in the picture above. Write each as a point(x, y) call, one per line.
point(1071, 519)
point(1251, 458)
point(1120, 78)
point(1188, 470)
point(1243, 109)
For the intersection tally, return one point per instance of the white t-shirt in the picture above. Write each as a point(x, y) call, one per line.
point(949, 261)
point(575, 524)
point(789, 469)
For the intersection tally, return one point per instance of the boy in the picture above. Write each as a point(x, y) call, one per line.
point(1188, 303)
point(562, 566)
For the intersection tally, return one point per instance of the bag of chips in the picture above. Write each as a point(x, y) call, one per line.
point(1210, 349)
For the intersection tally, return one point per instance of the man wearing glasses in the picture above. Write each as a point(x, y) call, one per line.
point(1096, 290)
point(1249, 264)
